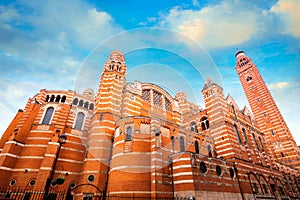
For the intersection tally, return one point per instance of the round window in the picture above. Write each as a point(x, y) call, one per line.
point(12, 182)
point(32, 182)
point(231, 171)
point(218, 170)
point(72, 185)
point(91, 178)
point(203, 167)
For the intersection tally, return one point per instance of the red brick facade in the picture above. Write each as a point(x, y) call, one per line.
point(138, 139)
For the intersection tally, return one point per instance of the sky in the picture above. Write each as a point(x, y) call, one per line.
point(62, 45)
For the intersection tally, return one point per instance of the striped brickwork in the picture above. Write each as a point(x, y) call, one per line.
point(135, 139)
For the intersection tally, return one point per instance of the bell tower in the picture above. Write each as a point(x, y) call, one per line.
point(113, 79)
point(280, 142)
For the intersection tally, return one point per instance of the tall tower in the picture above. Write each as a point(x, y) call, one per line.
point(107, 111)
point(280, 142)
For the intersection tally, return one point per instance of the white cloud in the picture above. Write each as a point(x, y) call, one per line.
point(278, 85)
point(225, 24)
point(233, 22)
point(288, 11)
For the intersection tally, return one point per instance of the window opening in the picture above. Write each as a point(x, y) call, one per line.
point(209, 151)
point(57, 98)
point(194, 127)
point(197, 147)
point(237, 134)
point(157, 98)
point(168, 104)
point(261, 142)
point(91, 106)
point(80, 103)
point(249, 78)
point(182, 145)
point(52, 98)
point(86, 105)
point(63, 99)
point(75, 101)
point(129, 134)
point(204, 123)
point(48, 115)
point(146, 95)
point(245, 135)
point(79, 121)
point(255, 142)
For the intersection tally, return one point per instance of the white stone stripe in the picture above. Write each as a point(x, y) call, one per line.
point(102, 127)
point(184, 181)
point(104, 120)
point(130, 110)
point(18, 170)
point(26, 157)
point(131, 153)
point(40, 131)
point(69, 160)
point(183, 174)
point(130, 167)
point(131, 105)
point(14, 142)
point(36, 145)
point(182, 166)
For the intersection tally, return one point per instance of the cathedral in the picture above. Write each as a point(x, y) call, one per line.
point(136, 141)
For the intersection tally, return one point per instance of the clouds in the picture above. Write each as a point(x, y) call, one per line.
point(43, 44)
point(288, 11)
point(278, 85)
point(232, 22)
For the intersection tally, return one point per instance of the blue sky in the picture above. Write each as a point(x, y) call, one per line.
point(56, 44)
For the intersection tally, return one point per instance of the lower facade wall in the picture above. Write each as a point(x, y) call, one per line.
point(207, 195)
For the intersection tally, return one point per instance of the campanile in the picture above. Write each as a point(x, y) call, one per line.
point(279, 140)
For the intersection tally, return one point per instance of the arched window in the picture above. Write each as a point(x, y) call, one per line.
point(48, 115)
point(128, 133)
point(261, 142)
point(63, 99)
point(245, 135)
point(249, 78)
point(233, 110)
point(47, 98)
point(209, 150)
point(255, 142)
point(91, 106)
point(282, 155)
point(204, 123)
point(197, 147)
point(52, 98)
point(194, 127)
point(80, 103)
point(86, 104)
point(237, 134)
point(79, 121)
point(182, 146)
point(57, 99)
point(75, 101)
